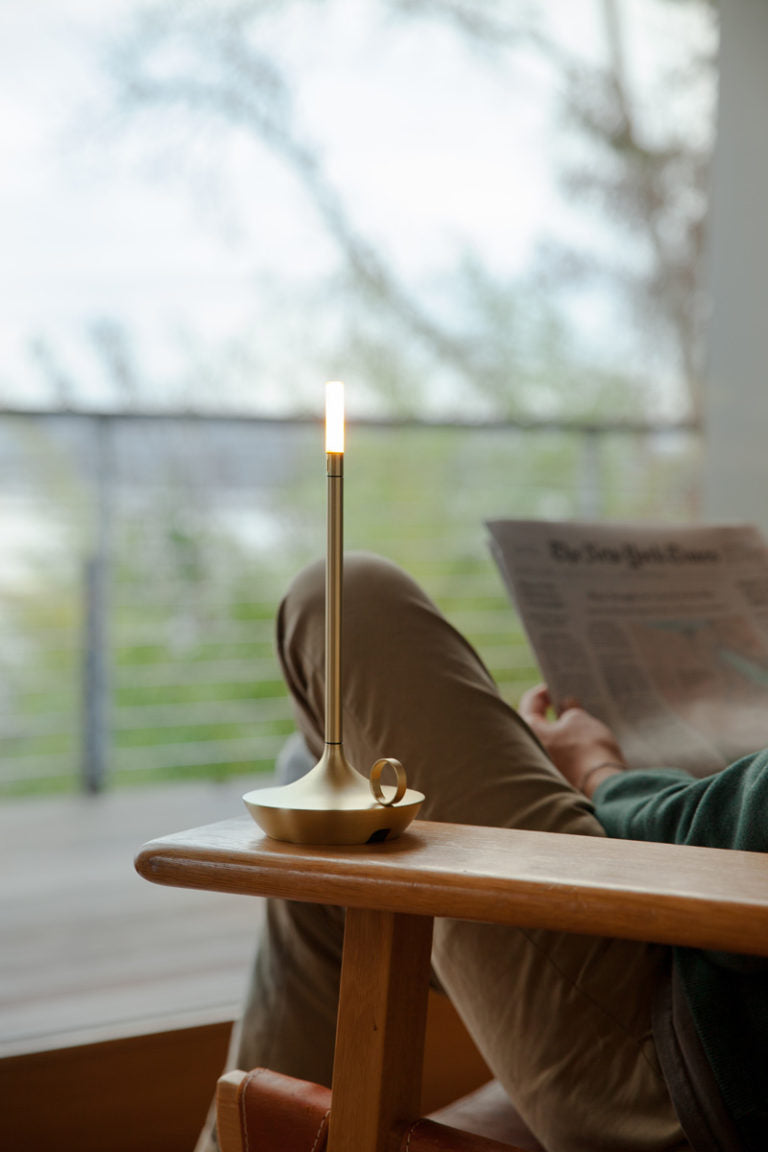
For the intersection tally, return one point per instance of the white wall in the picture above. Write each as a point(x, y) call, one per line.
point(736, 457)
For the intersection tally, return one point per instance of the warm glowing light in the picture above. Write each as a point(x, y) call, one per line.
point(334, 416)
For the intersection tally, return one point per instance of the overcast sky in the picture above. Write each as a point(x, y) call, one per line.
point(431, 149)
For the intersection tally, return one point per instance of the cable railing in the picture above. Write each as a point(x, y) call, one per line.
point(145, 556)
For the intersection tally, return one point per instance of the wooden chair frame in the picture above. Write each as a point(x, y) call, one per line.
point(701, 897)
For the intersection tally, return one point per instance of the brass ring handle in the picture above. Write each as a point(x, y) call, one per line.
point(387, 761)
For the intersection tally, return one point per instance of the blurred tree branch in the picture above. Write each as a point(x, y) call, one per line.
point(221, 72)
point(656, 187)
point(205, 60)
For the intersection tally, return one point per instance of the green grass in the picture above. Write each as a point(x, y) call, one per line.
point(197, 596)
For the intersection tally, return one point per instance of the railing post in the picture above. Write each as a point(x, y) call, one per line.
point(96, 696)
point(589, 496)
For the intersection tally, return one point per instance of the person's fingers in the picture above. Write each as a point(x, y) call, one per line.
point(534, 703)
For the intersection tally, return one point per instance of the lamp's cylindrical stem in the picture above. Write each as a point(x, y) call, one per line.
point(333, 582)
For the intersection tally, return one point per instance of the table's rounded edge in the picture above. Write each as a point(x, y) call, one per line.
point(233, 856)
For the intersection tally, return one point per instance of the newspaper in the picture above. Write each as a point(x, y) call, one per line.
point(660, 631)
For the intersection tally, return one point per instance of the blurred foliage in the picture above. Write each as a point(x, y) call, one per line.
point(195, 688)
point(216, 78)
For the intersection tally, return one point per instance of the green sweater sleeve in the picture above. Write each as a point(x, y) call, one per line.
point(727, 994)
point(728, 810)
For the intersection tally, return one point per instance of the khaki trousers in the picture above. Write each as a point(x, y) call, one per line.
point(563, 1021)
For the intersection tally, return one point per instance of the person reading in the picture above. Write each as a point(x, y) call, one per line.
point(599, 1043)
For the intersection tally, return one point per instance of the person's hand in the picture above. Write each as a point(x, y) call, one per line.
point(582, 747)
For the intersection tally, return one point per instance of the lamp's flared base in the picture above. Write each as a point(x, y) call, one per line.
point(273, 814)
point(332, 804)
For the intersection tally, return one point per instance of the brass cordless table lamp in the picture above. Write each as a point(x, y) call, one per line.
point(334, 803)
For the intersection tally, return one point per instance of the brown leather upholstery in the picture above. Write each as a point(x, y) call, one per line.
point(279, 1114)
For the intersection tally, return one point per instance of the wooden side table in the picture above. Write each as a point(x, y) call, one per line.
point(702, 897)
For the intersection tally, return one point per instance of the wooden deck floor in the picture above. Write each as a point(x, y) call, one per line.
point(88, 950)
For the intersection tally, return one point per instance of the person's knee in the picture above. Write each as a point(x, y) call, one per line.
point(368, 579)
point(372, 580)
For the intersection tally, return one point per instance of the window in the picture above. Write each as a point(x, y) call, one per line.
point(481, 213)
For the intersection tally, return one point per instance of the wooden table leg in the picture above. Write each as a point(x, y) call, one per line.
point(380, 1029)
